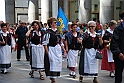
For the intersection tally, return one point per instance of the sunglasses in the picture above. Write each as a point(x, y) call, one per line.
point(91, 26)
point(55, 22)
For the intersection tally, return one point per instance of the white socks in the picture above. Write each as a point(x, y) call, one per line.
point(5, 70)
point(72, 73)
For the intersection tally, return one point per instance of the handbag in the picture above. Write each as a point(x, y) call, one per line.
point(98, 55)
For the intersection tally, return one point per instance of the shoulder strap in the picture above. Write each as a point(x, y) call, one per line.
point(2, 36)
point(85, 35)
point(9, 34)
point(78, 34)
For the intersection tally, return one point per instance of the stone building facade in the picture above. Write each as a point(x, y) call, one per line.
point(28, 10)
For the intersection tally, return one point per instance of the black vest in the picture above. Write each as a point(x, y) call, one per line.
point(91, 42)
point(74, 44)
point(54, 38)
point(107, 35)
point(35, 39)
point(7, 39)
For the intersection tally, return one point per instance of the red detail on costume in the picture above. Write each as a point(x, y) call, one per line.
point(72, 68)
point(75, 39)
point(105, 65)
point(42, 33)
point(93, 38)
point(16, 47)
point(99, 26)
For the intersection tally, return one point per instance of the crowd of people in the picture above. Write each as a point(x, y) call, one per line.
point(44, 47)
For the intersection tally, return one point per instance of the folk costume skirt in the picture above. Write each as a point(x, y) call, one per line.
point(5, 57)
point(88, 64)
point(53, 62)
point(37, 57)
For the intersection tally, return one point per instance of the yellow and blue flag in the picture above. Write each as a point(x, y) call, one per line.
point(62, 21)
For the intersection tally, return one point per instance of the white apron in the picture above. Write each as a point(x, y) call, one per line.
point(55, 58)
point(38, 56)
point(72, 58)
point(90, 62)
point(110, 56)
point(5, 54)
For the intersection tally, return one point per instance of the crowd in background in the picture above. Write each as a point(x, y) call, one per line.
point(44, 47)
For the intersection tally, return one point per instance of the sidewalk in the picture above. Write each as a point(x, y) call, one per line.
point(19, 71)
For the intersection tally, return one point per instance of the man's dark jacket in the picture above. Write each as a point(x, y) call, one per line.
point(117, 42)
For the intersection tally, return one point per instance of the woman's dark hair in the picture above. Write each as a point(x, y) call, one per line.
point(41, 24)
point(38, 23)
point(98, 20)
point(50, 20)
point(121, 15)
point(84, 24)
point(81, 26)
point(3, 24)
point(45, 23)
point(73, 25)
point(16, 24)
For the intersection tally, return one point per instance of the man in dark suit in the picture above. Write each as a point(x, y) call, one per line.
point(21, 35)
point(117, 48)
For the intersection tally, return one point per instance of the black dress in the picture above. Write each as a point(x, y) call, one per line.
point(54, 39)
point(36, 51)
point(87, 57)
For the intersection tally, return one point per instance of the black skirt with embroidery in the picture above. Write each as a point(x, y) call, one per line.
point(49, 73)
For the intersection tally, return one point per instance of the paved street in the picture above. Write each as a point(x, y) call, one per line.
point(19, 71)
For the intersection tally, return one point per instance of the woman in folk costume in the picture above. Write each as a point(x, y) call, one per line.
point(36, 49)
point(88, 64)
point(107, 61)
point(105, 26)
point(72, 47)
point(53, 54)
point(6, 42)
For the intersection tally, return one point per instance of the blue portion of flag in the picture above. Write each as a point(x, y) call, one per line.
point(62, 20)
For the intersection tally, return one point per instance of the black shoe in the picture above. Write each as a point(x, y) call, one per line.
point(67, 66)
point(41, 77)
point(28, 59)
point(70, 75)
point(31, 74)
point(5, 72)
point(74, 76)
point(112, 74)
point(95, 81)
point(2, 71)
point(18, 59)
point(80, 79)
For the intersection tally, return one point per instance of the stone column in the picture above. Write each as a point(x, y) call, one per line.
point(33, 10)
point(123, 4)
point(10, 11)
point(2, 10)
point(66, 7)
point(106, 11)
point(84, 10)
point(54, 8)
point(44, 10)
